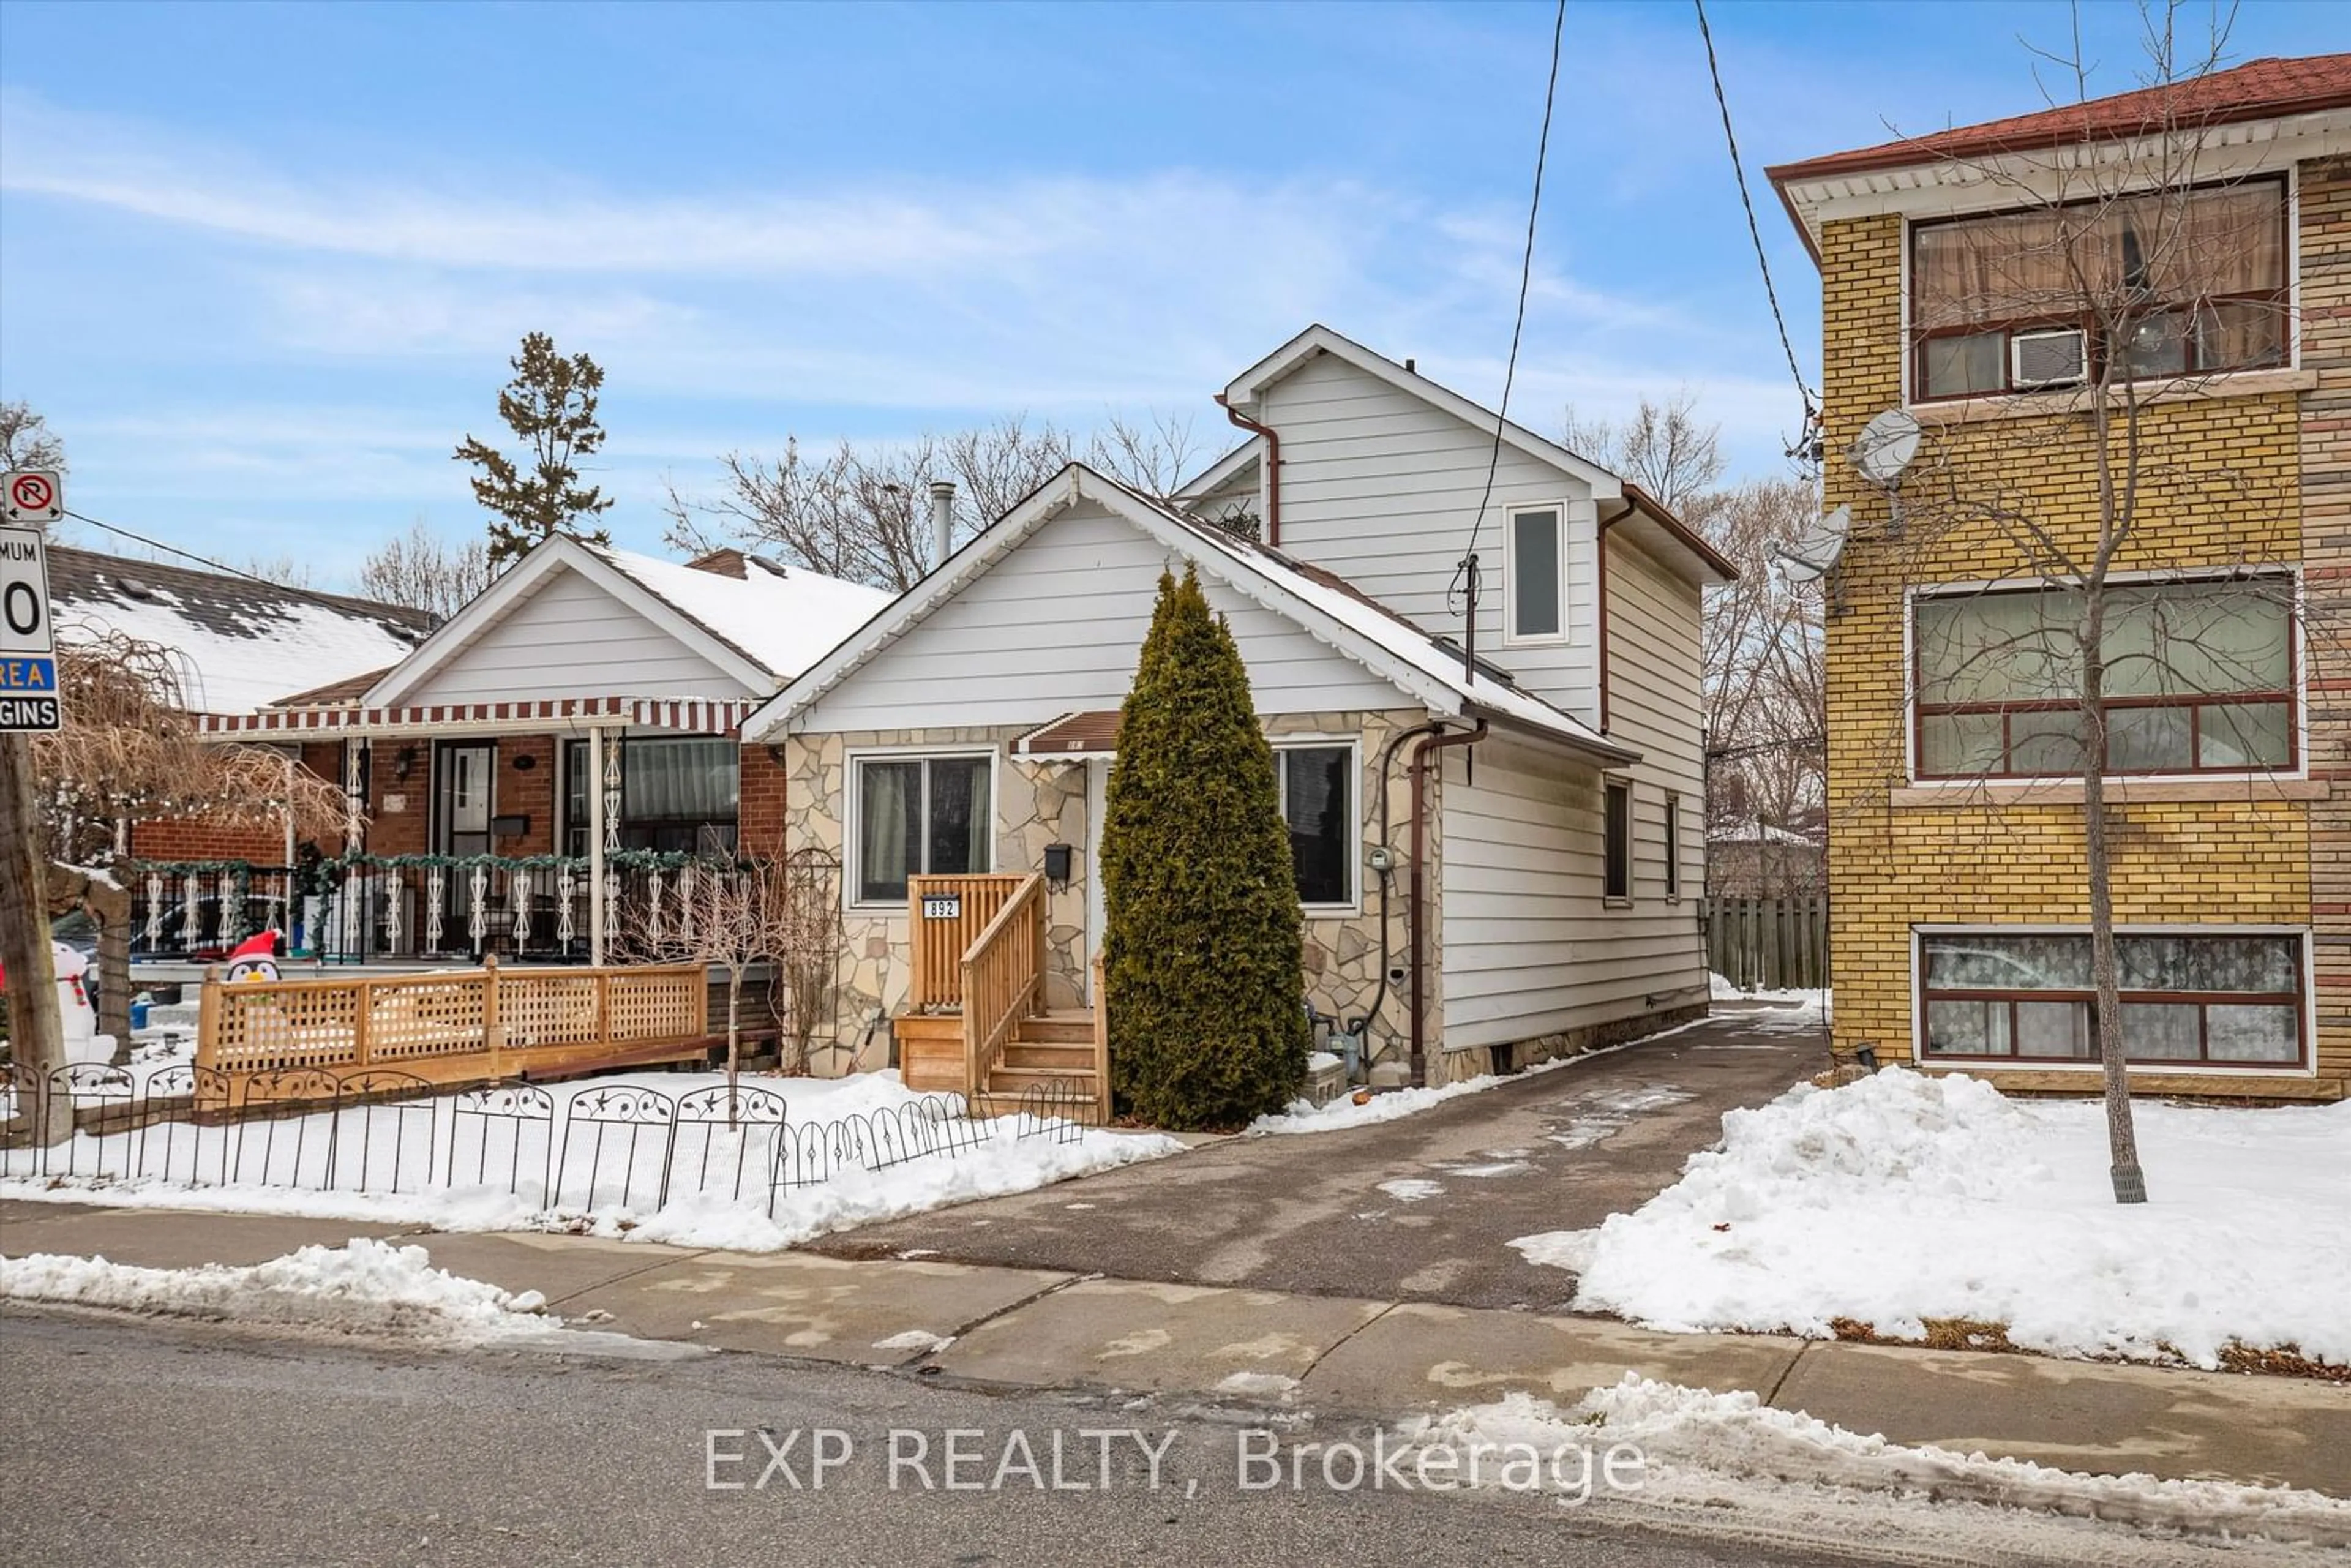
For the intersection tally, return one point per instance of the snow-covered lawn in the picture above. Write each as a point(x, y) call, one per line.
point(1906, 1197)
point(1705, 1450)
point(419, 1163)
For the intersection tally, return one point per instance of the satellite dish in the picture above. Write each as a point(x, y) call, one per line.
point(1884, 447)
point(1818, 550)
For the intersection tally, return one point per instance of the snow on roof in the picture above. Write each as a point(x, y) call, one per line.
point(241, 643)
point(1492, 690)
point(783, 618)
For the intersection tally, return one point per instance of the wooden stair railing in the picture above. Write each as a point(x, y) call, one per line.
point(1003, 980)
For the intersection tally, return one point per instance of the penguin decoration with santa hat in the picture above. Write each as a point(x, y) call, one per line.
point(254, 958)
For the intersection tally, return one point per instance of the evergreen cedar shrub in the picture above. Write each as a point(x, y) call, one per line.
point(1202, 958)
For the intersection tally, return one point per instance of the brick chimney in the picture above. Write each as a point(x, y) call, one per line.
point(726, 562)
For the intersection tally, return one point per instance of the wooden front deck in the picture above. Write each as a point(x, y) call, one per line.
point(976, 1022)
point(453, 1027)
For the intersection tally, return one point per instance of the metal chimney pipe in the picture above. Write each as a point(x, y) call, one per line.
point(942, 521)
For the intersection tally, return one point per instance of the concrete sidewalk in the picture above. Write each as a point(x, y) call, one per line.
point(1051, 1329)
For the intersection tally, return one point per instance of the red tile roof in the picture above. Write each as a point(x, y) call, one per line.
point(2259, 89)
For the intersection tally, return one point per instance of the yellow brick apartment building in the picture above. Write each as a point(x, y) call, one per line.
point(1957, 848)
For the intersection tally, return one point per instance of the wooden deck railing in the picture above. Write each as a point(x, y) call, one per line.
point(1102, 1043)
point(1003, 979)
point(944, 916)
point(455, 1026)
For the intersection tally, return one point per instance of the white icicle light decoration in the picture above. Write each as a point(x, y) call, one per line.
point(519, 904)
point(564, 889)
point(154, 908)
point(654, 899)
point(436, 892)
point(477, 917)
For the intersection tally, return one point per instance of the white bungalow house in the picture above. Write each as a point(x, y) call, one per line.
point(1498, 861)
point(584, 708)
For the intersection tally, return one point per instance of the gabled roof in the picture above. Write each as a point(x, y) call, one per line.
point(1357, 627)
point(1243, 393)
point(1678, 543)
point(2263, 89)
point(240, 643)
point(760, 629)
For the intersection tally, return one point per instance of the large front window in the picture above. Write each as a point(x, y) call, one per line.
point(1317, 800)
point(679, 795)
point(2166, 283)
point(2188, 998)
point(919, 815)
point(2198, 678)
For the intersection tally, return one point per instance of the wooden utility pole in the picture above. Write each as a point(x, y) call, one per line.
point(36, 1033)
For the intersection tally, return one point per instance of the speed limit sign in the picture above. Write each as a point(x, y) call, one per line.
point(33, 496)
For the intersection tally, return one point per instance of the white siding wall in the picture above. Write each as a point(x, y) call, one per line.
point(1653, 707)
point(1055, 628)
point(1530, 947)
point(569, 638)
point(1380, 487)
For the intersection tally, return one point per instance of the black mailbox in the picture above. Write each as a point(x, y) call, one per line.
point(1057, 862)
point(513, 827)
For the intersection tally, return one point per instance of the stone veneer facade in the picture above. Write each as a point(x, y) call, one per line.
point(1040, 803)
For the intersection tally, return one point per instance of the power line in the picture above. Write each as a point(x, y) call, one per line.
point(1755, 230)
point(1467, 572)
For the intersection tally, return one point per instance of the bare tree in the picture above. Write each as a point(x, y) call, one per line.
point(736, 919)
point(2142, 275)
point(131, 754)
point(863, 512)
point(285, 571)
point(27, 441)
point(421, 571)
point(1664, 447)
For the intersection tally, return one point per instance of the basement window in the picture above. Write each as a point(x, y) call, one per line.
point(2188, 998)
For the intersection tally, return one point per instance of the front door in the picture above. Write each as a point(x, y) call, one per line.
point(464, 806)
point(1097, 926)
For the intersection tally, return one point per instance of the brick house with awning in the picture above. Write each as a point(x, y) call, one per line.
point(580, 714)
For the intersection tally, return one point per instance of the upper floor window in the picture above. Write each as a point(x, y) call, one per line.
point(919, 815)
point(1536, 566)
point(2189, 282)
point(1318, 802)
point(2199, 678)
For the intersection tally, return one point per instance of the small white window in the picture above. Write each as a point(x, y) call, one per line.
point(1535, 567)
point(1673, 844)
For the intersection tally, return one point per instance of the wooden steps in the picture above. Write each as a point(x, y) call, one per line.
point(1056, 1047)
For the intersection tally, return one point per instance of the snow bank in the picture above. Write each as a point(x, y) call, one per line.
point(364, 1285)
point(1906, 1197)
point(1691, 1441)
point(606, 1186)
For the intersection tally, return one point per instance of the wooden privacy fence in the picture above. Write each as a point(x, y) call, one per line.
point(1769, 943)
point(459, 1026)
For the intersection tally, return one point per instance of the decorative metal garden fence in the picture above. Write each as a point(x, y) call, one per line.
point(603, 1146)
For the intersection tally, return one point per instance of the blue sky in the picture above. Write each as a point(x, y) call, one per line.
point(262, 266)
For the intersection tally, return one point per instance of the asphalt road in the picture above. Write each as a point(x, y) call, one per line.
point(1423, 1208)
point(138, 1442)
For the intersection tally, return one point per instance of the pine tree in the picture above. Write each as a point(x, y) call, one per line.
point(1201, 959)
point(550, 404)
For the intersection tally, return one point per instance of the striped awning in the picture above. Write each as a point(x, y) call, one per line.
point(691, 716)
point(1072, 734)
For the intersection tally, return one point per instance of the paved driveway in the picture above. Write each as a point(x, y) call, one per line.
point(1421, 1208)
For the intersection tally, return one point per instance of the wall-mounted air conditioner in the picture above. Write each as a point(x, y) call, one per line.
point(2055, 357)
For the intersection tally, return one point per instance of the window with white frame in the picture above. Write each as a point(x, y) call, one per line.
point(2199, 678)
point(919, 816)
point(1535, 563)
point(1673, 844)
point(1616, 839)
point(2211, 999)
point(1318, 802)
